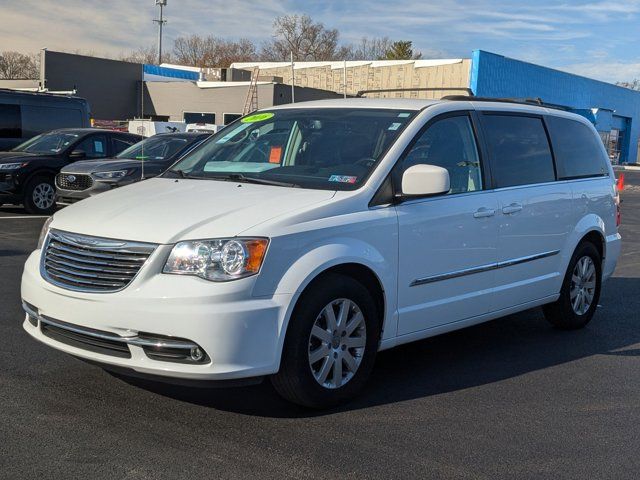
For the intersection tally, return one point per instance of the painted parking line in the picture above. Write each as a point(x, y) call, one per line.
point(24, 216)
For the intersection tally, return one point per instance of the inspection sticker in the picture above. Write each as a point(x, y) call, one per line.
point(404, 115)
point(394, 126)
point(343, 178)
point(258, 117)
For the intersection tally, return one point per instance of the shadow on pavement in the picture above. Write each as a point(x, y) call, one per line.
point(487, 353)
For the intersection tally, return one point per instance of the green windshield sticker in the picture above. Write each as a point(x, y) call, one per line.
point(258, 117)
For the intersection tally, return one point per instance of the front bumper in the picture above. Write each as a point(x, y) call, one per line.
point(241, 335)
point(69, 197)
point(8, 190)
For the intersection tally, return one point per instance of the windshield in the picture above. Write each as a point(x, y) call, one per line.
point(47, 143)
point(322, 148)
point(154, 148)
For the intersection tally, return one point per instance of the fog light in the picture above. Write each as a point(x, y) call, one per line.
point(197, 354)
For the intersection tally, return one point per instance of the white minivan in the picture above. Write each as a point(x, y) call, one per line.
point(303, 239)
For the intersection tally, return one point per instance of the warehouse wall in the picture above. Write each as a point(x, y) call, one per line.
point(497, 76)
point(110, 86)
point(370, 77)
point(174, 98)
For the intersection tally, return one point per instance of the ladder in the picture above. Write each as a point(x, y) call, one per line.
point(251, 102)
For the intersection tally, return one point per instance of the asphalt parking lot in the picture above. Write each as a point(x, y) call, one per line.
point(512, 398)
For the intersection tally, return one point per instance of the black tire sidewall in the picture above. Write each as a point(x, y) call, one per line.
point(295, 363)
point(28, 204)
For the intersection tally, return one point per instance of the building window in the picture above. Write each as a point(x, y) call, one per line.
point(227, 118)
point(199, 117)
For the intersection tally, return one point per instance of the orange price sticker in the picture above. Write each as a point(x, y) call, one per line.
point(275, 154)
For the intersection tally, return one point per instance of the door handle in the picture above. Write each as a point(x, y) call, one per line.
point(484, 212)
point(513, 208)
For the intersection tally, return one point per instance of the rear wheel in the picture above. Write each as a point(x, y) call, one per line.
point(580, 290)
point(331, 343)
point(40, 196)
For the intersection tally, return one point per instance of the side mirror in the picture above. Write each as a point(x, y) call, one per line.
point(425, 180)
point(78, 154)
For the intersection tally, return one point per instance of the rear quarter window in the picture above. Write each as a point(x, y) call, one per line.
point(577, 149)
point(37, 119)
point(10, 121)
point(519, 149)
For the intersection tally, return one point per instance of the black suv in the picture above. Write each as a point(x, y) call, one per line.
point(28, 171)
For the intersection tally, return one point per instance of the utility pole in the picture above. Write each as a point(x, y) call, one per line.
point(293, 80)
point(160, 22)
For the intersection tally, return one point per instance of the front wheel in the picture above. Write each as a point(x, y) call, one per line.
point(330, 345)
point(40, 196)
point(580, 290)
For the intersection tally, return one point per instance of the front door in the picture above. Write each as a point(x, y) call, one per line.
point(447, 247)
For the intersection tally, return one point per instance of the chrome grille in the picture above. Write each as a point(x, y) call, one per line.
point(91, 264)
point(73, 181)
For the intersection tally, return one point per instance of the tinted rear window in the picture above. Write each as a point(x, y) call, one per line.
point(577, 150)
point(10, 121)
point(40, 118)
point(519, 149)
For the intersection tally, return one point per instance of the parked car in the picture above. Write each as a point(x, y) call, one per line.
point(24, 115)
point(146, 159)
point(27, 172)
point(303, 239)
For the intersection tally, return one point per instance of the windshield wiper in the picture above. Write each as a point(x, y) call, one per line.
point(239, 177)
point(182, 174)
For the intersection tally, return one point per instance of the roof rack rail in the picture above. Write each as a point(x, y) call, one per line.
point(521, 101)
point(419, 89)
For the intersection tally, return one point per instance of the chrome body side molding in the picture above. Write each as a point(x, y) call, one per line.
point(482, 268)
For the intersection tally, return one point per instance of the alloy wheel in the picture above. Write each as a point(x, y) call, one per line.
point(336, 343)
point(43, 196)
point(583, 285)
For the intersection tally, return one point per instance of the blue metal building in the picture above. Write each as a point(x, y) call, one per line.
point(615, 111)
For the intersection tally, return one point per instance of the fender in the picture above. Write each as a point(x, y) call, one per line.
point(46, 172)
point(342, 250)
point(589, 223)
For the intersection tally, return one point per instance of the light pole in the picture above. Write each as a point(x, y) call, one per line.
point(160, 22)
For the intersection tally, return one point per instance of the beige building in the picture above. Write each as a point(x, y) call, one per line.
point(387, 77)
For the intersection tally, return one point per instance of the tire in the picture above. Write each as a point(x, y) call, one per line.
point(40, 196)
point(300, 379)
point(563, 313)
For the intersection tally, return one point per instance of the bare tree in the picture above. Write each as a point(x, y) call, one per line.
point(15, 65)
point(306, 39)
point(633, 85)
point(144, 55)
point(212, 51)
point(370, 48)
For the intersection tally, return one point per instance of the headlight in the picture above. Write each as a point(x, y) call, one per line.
point(112, 174)
point(218, 260)
point(11, 166)
point(44, 231)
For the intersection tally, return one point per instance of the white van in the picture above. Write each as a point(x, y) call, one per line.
point(303, 239)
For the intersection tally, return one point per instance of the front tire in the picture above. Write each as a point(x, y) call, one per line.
point(331, 343)
point(40, 196)
point(580, 291)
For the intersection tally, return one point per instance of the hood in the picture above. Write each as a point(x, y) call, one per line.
point(12, 157)
point(166, 210)
point(100, 165)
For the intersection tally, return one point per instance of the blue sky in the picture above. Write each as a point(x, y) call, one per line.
point(594, 38)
